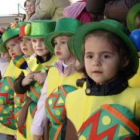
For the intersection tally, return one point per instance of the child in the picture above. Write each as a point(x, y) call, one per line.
point(61, 77)
point(135, 37)
point(26, 47)
point(133, 18)
point(106, 108)
point(11, 45)
point(30, 83)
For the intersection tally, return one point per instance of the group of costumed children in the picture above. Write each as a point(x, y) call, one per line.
point(66, 80)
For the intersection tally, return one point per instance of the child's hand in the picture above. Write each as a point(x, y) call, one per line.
point(28, 79)
point(40, 77)
point(36, 137)
point(5, 56)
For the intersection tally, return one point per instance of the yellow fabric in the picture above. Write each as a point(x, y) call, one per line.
point(79, 102)
point(20, 136)
point(12, 70)
point(6, 130)
point(135, 80)
point(28, 126)
point(54, 80)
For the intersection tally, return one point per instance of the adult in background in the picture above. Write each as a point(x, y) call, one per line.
point(30, 9)
point(111, 9)
point(51, 9)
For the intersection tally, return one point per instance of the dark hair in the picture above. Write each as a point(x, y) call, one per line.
point(138, 21)
point(126, 62)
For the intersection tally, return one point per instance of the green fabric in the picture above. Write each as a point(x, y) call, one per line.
point(64, 26)
point(22, 129)
point(7, 35)
point(107, 26)
point(106, 121)
point(131, 17)
point(21, 23)
point(7, 116)
point(39, 29)
point(6, 91)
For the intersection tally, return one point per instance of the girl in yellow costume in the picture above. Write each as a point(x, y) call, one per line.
point(61, 79)
point(10, 44)
point(107, 107)
point(27, 49)
point(32, 82)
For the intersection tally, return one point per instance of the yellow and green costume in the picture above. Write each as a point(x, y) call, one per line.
point(134, 81)
point(34, 93)
point(57, 89)
point(100, 117)
point(8, 125)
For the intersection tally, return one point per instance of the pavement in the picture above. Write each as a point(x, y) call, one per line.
point(2, 137)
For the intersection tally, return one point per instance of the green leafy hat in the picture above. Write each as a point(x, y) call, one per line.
point(131, 17)
point(39, 28)
point(64, 26)
point(108, 25)
point(7, 35)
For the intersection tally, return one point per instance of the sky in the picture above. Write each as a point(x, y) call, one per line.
point(11, 7)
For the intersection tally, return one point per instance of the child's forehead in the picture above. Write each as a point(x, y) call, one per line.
point(39, 39)
point(13, 40)
point(61, 37)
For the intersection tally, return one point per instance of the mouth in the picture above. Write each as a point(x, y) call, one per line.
point(97, 72)
point(24, 49)
point(39, 50)
point(58, 53)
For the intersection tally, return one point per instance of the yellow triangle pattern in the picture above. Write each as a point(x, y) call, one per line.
point(60, 101)
point(122, 131)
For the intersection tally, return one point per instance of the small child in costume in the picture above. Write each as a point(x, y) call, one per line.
point(106, 107)
point(133, 23)
point(135, 37)
point(26, 47)
point(30, 83)
point(133, 18)
point(11, 45)
point(60, 80)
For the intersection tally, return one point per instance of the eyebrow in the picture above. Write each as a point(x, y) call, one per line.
point(100, 52)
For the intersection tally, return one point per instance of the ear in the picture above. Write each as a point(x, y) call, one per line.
point(124, 63)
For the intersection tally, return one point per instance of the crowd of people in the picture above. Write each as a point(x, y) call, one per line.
point(70, 71)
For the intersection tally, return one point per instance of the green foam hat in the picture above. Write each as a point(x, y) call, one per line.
point(64, 26)
point(7, 35)
point(131, 17)
point(106, 25)
point(39, 28)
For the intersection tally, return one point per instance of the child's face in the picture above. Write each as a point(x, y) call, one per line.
point(61, 49)
point(26, 46)
point(13, 48)
point(39, 47)
point(30, 7)
point(101, 60)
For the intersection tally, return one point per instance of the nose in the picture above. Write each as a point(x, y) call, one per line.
point(57, 46)
point(96, 61)
point(39, 43)
point(23, 43)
